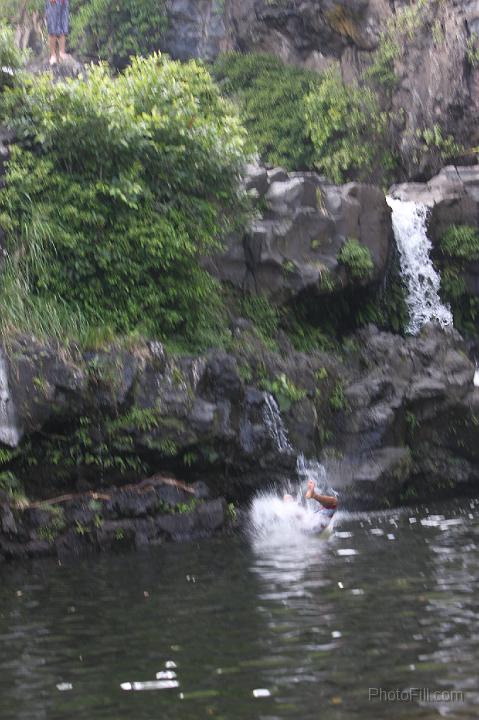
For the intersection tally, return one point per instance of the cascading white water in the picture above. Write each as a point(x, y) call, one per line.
point(409, 221)
point(9, 431)
point(274, 422)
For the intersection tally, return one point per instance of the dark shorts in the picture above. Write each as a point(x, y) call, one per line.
point(58, 15)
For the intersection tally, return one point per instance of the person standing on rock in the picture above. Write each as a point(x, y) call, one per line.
point(58, 16)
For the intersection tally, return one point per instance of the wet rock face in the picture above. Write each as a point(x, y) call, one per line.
point(155, 511)
point(404, 420)
point(409, 427)
point(196, 29)
point(293, 247)
point(304, 32)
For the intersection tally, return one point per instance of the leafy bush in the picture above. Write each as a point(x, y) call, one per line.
point(461, 242)
point(117, 187)
point(346, 126)
point(263, 314)
point(115, 31)
point(357, 259)
point(271, 96)
point(11, 59)
point(457, 246)
point(284, 390)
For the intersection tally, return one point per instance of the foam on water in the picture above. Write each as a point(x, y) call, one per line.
point(409, 221)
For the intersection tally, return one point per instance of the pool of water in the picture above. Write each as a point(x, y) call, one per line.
point(242, 629)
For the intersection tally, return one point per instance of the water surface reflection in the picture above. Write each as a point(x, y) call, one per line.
point(386, 601)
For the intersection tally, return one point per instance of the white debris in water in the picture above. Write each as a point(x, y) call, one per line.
point(409, 221)
point(10, 433)
point(63, 687)
point(336, 634)
point(340, 585)
point(274, 422)
point(166, 675)
point(357, 591)
point(261, 692)
point(476, 377)
point(170, 664)
point(150, 685)
point(391, 536)
point(345, 552)
point(432, 520)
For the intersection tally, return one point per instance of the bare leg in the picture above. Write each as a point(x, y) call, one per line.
point(52, 42)
point(61, 42)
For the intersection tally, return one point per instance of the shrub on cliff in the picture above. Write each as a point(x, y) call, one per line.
point(347, 129)
point(11, 58)
point(458, 246)
point(113, 31)
point(116, 188)
point(271, 96)
point(357, 259)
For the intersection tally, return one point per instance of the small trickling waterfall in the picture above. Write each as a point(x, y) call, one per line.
point(409, 221)
point(9, 431)
point(274, 422)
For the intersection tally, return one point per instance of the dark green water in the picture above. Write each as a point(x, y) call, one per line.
point(315, 626)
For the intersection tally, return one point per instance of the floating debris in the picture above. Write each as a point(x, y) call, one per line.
point(344, 552)
point(150, 685)
point(261, 692)
point(166, 675)
point(63, 687)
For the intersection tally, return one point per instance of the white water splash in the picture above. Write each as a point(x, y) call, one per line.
point(274, 422)
point(409, 221)
point(273, 522)
point(10, 433)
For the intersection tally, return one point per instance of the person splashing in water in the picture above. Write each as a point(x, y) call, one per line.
point(328, 503)
point(327, 507)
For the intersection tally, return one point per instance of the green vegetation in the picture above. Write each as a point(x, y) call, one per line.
point(146, 166)
point(337, 399)
point(347, 128)
point(271, 96)
point(432, 140)
point(11, 59)
point(284, 390)
point(264, 315)
point(357, 259)
point(402, 26)
point(115, 31)
point(460, 242)
point(472, 50)
point(458, 246)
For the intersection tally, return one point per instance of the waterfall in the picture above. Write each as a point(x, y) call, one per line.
point(409, 221)
point(274, 422)
point(9, 432)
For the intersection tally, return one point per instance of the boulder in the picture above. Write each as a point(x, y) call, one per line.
point(293, 246)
